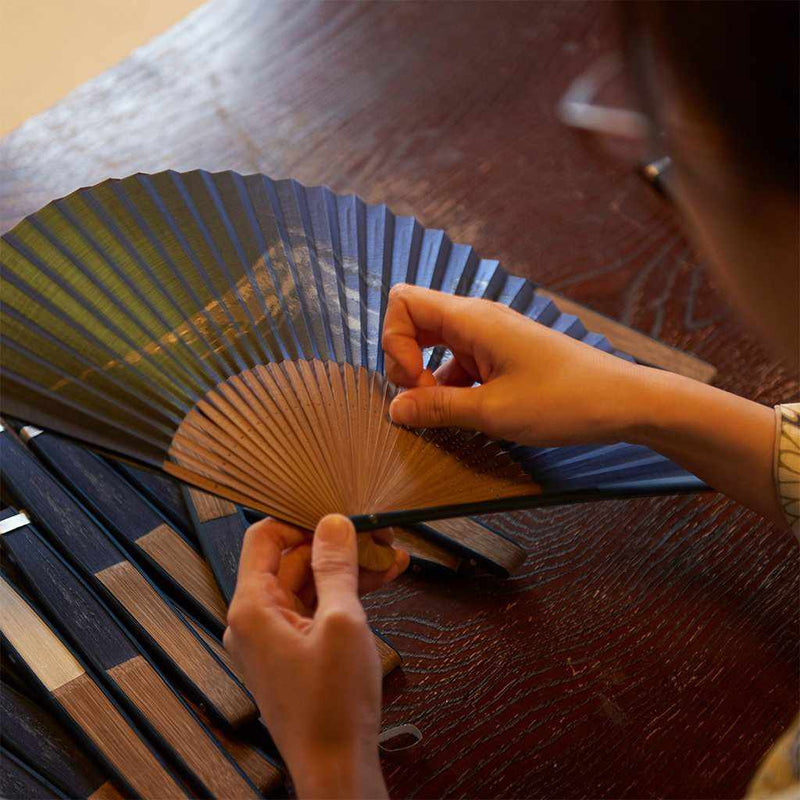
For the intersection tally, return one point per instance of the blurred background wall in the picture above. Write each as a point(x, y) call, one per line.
point(48, 47)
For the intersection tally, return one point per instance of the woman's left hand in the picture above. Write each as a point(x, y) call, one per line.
point(299, 635)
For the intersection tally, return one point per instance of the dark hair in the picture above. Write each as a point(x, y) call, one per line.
point(740, 61)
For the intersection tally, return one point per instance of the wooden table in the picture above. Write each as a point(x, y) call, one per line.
point(645, 649)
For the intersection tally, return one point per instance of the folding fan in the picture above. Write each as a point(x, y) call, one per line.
point(226, 329)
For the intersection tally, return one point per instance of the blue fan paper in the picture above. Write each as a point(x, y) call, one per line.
point(127, 303)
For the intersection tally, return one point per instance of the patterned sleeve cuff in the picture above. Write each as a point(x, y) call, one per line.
point(787, 462)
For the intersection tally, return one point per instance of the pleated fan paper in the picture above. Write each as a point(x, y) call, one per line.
point(226, 329)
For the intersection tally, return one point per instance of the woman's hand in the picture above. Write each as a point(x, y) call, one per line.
point(537, 386)
point(316, 678)
point(540, 387)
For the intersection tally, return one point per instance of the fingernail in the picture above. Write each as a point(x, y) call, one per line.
point(403, 410)
point(334, 529)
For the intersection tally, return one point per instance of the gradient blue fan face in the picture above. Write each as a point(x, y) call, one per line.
point(125, 303)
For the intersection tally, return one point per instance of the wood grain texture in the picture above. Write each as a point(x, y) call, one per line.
point(302, 439)
point(208, 506)
point(82, 618)
point(104, 565)
point(20, 781)
point(390, 658)
point(255, 764)
point(220, 527)
point(185, 735)
point(125, 512)
point(76, 691)
point(583, 674)
point(103, 644)
point(185, 565)
point(79, 614)
point(113, 737)
point(479, 542)
point(53, 664)
point(106, 791)
point(418, 547)
point(151, 612)
point(646, 350)
point(161, 490)
point(31, 730)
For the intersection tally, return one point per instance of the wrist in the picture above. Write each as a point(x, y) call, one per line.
point(339, 772)
point(628, 406)
point(677, 415)
point(655, 399)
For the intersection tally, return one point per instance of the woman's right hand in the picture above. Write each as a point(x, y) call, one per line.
point(536, 386)
point(540, 387)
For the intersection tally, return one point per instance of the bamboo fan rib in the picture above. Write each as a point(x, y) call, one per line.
point(227, 328)
point(302, 439)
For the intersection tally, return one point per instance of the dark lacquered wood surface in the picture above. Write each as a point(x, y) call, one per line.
point(645, 649)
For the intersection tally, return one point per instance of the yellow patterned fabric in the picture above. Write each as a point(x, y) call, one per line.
point(787, 462)
point(778, 776)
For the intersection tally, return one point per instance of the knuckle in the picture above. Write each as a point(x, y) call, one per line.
point(441, 407)
point(390, 337)
point(345, 621)
point(242, 617)
point(330, 564)
point(266, 523)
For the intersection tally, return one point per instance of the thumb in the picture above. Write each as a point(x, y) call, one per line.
point(334, 562)
point(437, 407)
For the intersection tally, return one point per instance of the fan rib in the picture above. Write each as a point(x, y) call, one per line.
point(328, 376)
point(262, 213)
point(303, 378)
point(378, 411)
point(338, 273)
point(378, 223)
point(218, 426)
point(359, 214)
point(274, 382)
point(346, 435)
point(31, 327)
point(346, 217)
point(294, 381)
point(278, 214)
point(247, 332)
point(252, 267)
point(353, 411)
point(238, 343)
point(178, 274)
point(307, 261)
point(210, 375)
point(110, 421)
point(229, 469)
point(197, 319)
point(300, 466)
point(168, 330)
point(363, 408)
point(266, 351)
point(77, 267)
point(29, 291)
point(112, 402)
point(222, 488)
point(261, 443)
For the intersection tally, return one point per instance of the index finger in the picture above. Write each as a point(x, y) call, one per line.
point(417, 318)
point(263, 544)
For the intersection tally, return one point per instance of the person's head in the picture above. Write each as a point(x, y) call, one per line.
point(720, 82)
